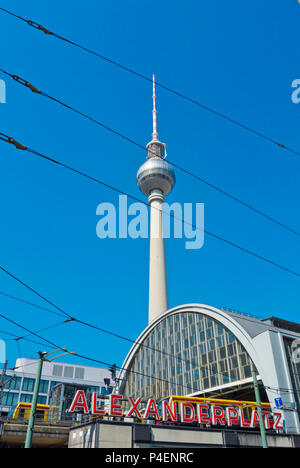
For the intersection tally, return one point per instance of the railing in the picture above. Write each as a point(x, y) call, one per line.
point(240, 313)
point(38, 422)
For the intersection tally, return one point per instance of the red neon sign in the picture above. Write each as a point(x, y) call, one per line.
point(186, 412)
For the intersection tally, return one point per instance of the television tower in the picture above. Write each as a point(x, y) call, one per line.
point(156, 179)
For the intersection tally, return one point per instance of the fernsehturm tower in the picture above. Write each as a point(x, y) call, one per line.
point(156, 179)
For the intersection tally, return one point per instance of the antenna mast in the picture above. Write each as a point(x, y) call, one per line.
point(154, 112)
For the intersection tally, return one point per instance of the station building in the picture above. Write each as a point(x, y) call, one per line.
point(199, 350)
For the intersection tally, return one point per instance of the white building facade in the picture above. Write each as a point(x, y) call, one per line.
point(19, 384)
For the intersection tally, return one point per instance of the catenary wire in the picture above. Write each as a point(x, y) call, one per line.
point(244, 316)
point(50, 327)
point(51, 302)
point(34, 291)
point(27, 330)
point(144, 77)
point(16, 336)
point(94, 179)
point(98, 328)
point(10, 296)
point(91, 359)
point(130, 140)
point(110, 332)
point(88, 358)
point(279, 223)
point(135, 342)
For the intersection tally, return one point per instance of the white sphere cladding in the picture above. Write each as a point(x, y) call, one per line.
point(156, 174)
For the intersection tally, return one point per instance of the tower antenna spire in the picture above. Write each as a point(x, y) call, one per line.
point(154, 113)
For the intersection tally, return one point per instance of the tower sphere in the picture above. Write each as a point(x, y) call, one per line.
point(156, 173)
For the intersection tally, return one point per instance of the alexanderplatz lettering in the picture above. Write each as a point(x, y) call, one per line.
point(186, 413)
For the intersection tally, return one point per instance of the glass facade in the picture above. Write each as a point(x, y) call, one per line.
point(27, 398)
point(190, 352)
point(28, 385)
point(294, 367)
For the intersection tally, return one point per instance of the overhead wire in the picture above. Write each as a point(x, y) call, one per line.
point(135, 342)
point(117, 335)
point(10, 296)
point(82, 322)
point(10, 140)
point(30, 289)
point(91, 359)
point(247, 205)
point(27, 330)
point(236, 122)
point(109, 332)
point(243, 316)
point(16, 336)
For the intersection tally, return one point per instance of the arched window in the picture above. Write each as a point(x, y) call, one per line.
point(190, 352)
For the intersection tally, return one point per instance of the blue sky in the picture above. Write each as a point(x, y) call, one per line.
point(237, 57)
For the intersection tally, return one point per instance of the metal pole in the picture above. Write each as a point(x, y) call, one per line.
point(259, 409)
point(29, 434)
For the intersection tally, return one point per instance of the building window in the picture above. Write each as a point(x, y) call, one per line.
point(28, 385)
point(79, 373)
point(42, 400)
point(93, 389)
point(10, 399)
point(106, 390)
point(247, 372)
point(68, 372)
point(12, 383)
point(57, 370)
point(44, 385)
point(27, 398)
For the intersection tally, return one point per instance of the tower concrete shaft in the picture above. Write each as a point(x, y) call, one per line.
point(158, 291)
